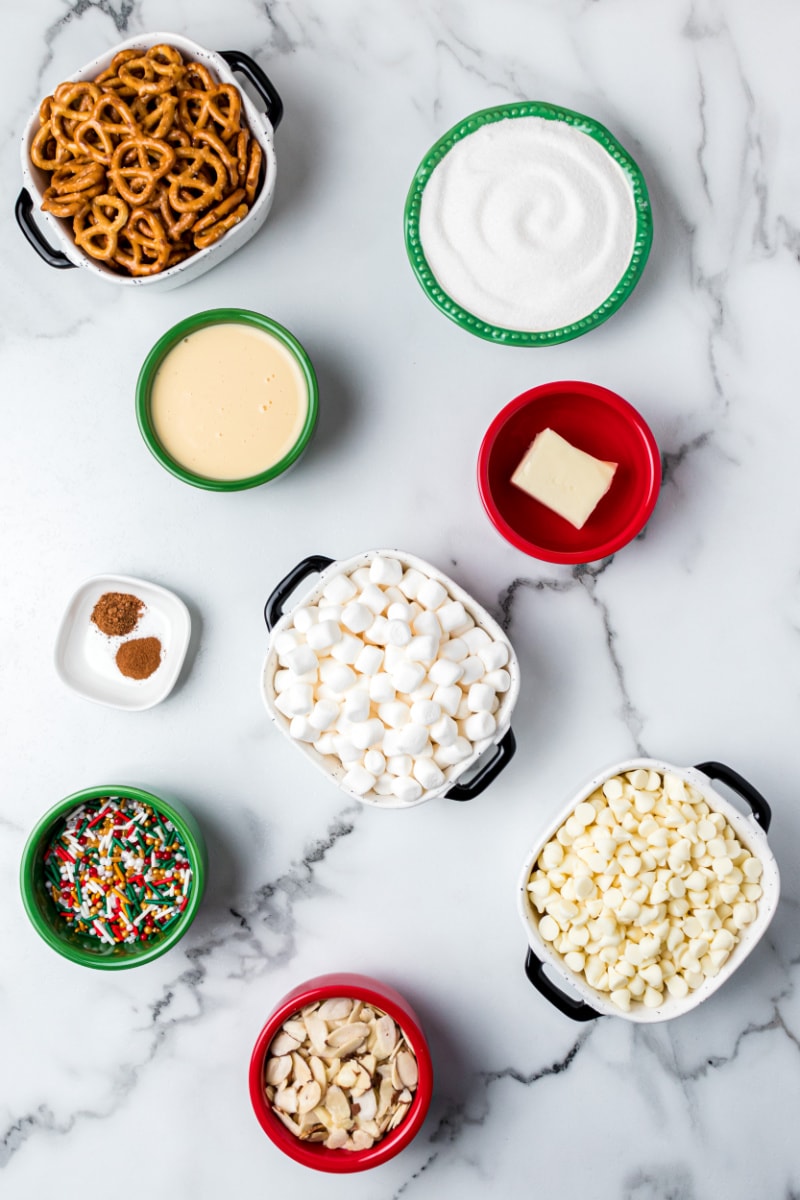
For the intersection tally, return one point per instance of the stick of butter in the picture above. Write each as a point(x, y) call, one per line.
point(565, 479)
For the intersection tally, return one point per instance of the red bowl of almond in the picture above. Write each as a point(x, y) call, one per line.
point(341, 1075)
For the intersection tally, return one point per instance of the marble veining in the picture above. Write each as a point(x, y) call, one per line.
point(683, 645)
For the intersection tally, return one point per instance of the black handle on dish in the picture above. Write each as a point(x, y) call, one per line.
point(23, 211)
point(273, 609)
point(717, 770)
point(505, 750)
point(237, 60)
point(576, 1010)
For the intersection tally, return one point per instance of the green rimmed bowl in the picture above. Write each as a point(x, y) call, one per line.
point(539, 337)
point(89, 951)
point(223, 316)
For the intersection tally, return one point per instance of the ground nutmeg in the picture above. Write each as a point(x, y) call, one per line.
point(117, 613)
point(139, 657)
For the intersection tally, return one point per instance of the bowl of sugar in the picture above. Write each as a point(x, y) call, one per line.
point(528, 224)
point(227, 399)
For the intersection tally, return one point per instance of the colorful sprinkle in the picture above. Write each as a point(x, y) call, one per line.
point(118, 871)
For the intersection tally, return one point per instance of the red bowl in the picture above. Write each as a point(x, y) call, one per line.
point(315, 1155)
point(595, 420)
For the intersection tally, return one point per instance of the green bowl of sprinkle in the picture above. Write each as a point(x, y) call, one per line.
point(112, 877)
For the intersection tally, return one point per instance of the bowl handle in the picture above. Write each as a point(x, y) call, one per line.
point(273, 609)
point(504, 752)
point(717, 770)
point(237, 60)
point(23, 211)
point(576, 1010)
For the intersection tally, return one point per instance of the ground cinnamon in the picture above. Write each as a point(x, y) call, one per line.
point(139, 657)
point(117, 613)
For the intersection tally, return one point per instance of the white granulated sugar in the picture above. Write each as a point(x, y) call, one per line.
point(528, 223)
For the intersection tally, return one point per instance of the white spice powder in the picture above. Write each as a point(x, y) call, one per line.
point(528, 223)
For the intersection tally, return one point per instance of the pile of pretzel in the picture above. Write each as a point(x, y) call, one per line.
point(152, 161)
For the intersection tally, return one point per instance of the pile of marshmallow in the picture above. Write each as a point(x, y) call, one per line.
point(644, 889)
point(391, 676)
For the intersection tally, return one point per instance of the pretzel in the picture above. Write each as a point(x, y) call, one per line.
point(151, 161)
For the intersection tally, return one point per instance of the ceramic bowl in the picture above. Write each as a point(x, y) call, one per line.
point(262, 124)
point(544, 205)
point(494, 753)
point(595, 420)
point(89, 951)
point(570, 992)
point(315, 1155)
point(222, 316)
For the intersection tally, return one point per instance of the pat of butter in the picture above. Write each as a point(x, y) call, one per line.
point(565, 479)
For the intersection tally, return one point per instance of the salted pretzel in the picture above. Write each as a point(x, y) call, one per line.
point(151, 162)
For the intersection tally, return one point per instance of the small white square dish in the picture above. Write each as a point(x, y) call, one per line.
point(85, 657)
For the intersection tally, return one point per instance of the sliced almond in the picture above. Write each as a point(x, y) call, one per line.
point(317, 1031)
point(362, 1081)
point(385, 1037)
point(407, 1069)
point(385, 1093)
point(286, 1099)
point(317, 1067)
point(277, 1069)
point(398, 1115)
point(369, 1063)
point(301, 1070)
point(309, 1097)
point(366, 1107)
point(347, 1076)
point(288, 1122)
point(337, 1105)
point(283, 1043)
point(338, 1008)
point(344, 1034)
point(296, 1029)
point(336, 1139)
point(361, 1139)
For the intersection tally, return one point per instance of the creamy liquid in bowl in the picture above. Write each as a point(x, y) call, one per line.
point(228, 401)
point(528, 223)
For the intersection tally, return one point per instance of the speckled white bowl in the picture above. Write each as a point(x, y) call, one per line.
point(197, 264)
point(751, 832)
point(329, 765)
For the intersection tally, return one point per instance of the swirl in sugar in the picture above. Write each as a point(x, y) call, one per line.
point(528, 224)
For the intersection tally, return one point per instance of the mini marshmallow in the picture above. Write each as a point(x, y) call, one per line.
point(325, 745)
point(452, 616)
point(428, 774)
point(339, 590)
point(406, 789)
point(395, 596)
point(302, 660)
point(374, 599)
point(383, 785)
point(357, 617)
point(444, 672)
point(500, 680)
point(473, 670)
point(393, 656)
point(374, 762)
point(455, 650)
point(356, 705)
point(400, 611)
point(463, 711)
point(448, 756)
point(391, 744)
point(303, 619)
point(323, 635)
point(398, 633)
point(448, 698)
point(400, 764)
point(494, 656)
point(423, 649)
point(412, 738)
point(480, 725)
point(423, 692)
point(283, 679)
point(347, 649)
point(299, 699)
point(345, 750)
point(427, 623)
point(425, 712)
point(381, 688)
point(386, 571)
point(431, 594)
point(330, 612)
point(407, 676)
point(369, 661)
point(394, 713)
point(358, 779)
point(378, 631)
point(480, 697)
point(324, 714)
point(286, 641)
point(360, 577)
point(341, 677)
point(366, 734)
point(411, 582)
point(476, 638)
point(444, 731)
point(302, 730)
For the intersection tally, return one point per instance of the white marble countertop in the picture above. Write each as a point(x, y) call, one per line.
point(683, 646)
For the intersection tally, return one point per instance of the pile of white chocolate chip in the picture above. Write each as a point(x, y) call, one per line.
point(644, 889)
point(392, 677)
point(340, 1072)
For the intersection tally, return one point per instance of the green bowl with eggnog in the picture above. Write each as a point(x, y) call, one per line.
point(227, 399)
